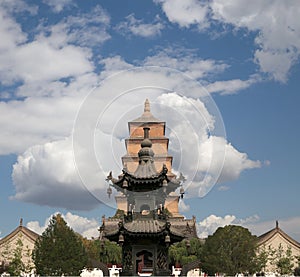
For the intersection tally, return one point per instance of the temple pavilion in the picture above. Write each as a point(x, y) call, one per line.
point(147, 200)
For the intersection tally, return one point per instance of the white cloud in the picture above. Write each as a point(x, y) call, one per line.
point(58, 5)
point(138, 28)
point(231, 86)
point(185, 13)
point(257, 227)
point(11, 32)
point(223, 188)
point(276, 26)
point(57, 51)
point(86, 227)
point(43, 172)
point(38, 60)
point(210, 224)
point(273, 22)
point(85, 29)
point(18, 6)
point(186, 61)
point(183, 207)
point(46, 169)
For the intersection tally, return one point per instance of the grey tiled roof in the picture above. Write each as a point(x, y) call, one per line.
point(179, 227)
point(145, 226)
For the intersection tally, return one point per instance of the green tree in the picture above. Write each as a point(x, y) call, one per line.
point(59, 250)
point(185, 251)
point(16, 265)
point(5, 257)
point(110, 252)
point(230, 250)
point(102, 251)
point(297, 269)
point(263, 255)
point(284, 261)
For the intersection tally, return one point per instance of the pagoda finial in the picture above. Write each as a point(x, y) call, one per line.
point(147, 106)
point(21, 221)
point(277, 224)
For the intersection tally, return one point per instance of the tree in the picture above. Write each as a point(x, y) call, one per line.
point(103, 251)
point(297, 269)
point(262, 258)
point(5, 257)
point(230, 250)
point(59, 250)
point(185, 251)
point(16, 266)
point(110, 252)
point(284, 261)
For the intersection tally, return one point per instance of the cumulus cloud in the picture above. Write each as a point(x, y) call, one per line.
point(54, 70)
point(199, 148)
point(276, 27)
point(274, 24)
point(86, 227)
point(185, 13)
point(43, 172)
point(138, 28)
point(210, 224)
point(253, 223)
point(38, 60)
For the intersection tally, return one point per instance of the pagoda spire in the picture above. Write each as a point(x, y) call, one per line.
point(147, 106)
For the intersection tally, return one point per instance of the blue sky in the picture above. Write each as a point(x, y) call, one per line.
point(239, 58)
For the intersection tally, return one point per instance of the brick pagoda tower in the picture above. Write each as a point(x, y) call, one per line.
point(147, 198)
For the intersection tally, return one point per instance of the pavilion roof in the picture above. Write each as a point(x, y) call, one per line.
point(184, 228)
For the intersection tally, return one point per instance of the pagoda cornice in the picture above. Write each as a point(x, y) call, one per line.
point(130, 182)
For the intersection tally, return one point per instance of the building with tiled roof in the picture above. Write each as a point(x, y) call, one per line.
point(275, 240)
point(20, 237)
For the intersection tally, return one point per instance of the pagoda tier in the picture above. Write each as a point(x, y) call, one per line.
point(160, 143)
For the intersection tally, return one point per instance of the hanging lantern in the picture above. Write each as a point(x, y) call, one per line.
point(167, 239)
point(165, 183)
point(121, 239)
point(125, 184)
point(181, 192)
point(109, 191)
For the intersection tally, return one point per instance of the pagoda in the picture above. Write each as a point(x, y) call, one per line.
point(147, 201)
